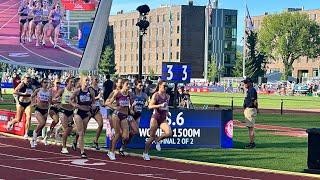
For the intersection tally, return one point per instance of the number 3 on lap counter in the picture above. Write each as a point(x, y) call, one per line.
point(176, 72)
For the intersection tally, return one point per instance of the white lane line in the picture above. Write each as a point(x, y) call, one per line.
point(90, 168)
point(9, 8)
point(43, 172)
point(8, 21)
point(5, 2)
point(46, 57)
point(67, 51)
point(29, 64)
point(145, 166)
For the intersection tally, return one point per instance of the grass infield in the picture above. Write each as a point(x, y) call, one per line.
point(272, 152)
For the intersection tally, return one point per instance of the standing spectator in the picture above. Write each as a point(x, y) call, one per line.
point(107, 87)
point(250, 106)
point(1, 98)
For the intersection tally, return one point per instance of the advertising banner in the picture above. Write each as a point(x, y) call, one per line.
point(18, 129)
point(190, 129)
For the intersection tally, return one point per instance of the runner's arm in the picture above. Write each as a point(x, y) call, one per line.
point(152, 104)
point(17, 89)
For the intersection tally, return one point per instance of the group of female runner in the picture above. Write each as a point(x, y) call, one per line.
point(79, 101)
point(39, 20)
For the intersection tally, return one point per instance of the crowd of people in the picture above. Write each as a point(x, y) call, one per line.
point(82, 99)
point(40, 21)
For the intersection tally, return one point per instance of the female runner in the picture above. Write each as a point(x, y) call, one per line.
point(37, 22)
point(43, 100)
point(139, 99)
point(45, 21)
point(66, 112)
point(54, 109)
point(120, 115)
point(83, 100)
point(55, 17)
point(23, 20)
point(24, 91)
point(95, 112)
point(159, 104)
point(31, 27)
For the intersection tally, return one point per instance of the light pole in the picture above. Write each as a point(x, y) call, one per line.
point(143, 25)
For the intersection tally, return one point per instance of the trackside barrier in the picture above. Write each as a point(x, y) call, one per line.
point(18, 129)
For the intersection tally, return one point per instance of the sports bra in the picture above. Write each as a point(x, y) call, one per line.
point(84, 98)
point(123, 100)
point(44, 96)
point(66, 95)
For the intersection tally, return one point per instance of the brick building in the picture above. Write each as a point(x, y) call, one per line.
point(303, 67)
point(184, 43)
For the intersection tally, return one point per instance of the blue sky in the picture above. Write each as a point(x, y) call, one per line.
point(256, 7)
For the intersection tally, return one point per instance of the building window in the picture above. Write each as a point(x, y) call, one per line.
point(131, 69)
point(178, 29)
point(157, 56)
point(158, 19)
point(132, 22)
point(177, 55)
point(162, 56)
point(230, 20)
point(164, 18)
point(178, 16)
point(157, 43)
point(170, 55)
point(162, 43)
point(178, 42)
point(126, 23)
point(171, 42)
point(227, 59)
point(230, 46)
point(230, 32)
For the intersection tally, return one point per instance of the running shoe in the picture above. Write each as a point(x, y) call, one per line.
point(9, 126)
point(37, 45)
point(26, 136)
point(54, 46)
point(96, 145)
point(122, 151)
point(45, 142)
point(30, 39)
point(111, 156)
point(65, 151)
point(158, 146)
point(32, 143)
point(84, 155)
point(74, 146)
point(146, 156)
point(34, 138)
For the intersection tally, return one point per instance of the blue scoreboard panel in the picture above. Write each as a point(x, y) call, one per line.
point(176, 72)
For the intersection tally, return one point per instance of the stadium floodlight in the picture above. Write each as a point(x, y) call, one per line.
point(143, 25)
point(143, 10)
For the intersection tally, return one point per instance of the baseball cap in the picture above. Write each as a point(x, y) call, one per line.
point(247, 80)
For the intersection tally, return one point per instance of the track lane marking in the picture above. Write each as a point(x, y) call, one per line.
point(9, 7)
point(145, 166)
point(90, 168)
point(5, 2)
point(43, 172)
point(45, 57)
point(8, 22)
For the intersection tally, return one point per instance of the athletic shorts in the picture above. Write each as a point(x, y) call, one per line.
point(250, 115)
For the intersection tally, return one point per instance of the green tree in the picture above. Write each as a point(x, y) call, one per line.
point(289, 36)
point(213, 71)
point(255, 62)
point(238, 68)
point(106, 63)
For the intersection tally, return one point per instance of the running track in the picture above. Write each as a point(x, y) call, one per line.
point(19, 161)
point(12, 52)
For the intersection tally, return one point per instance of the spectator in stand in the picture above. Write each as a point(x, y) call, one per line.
point(107, 87)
